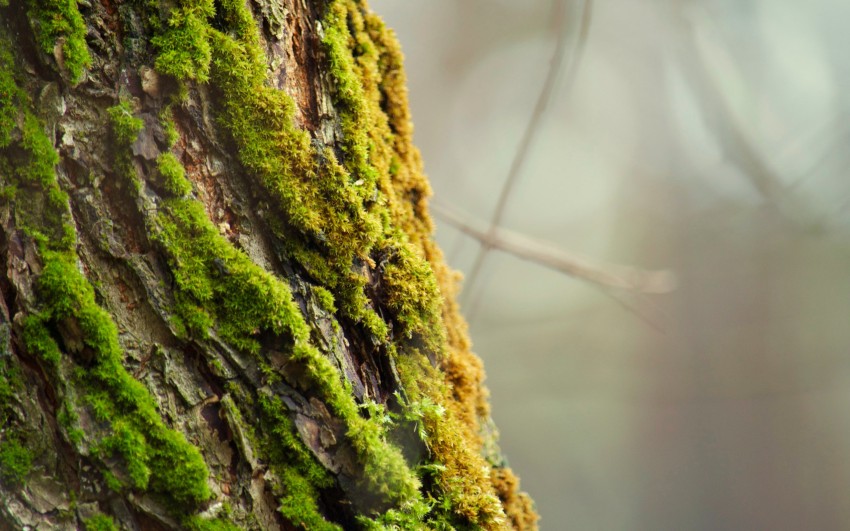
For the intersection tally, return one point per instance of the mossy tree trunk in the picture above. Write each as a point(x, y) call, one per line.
point(222, 307)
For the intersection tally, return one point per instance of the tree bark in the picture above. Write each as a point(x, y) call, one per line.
point(222, 307)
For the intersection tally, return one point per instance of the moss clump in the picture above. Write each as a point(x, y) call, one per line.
point(241, 300)
point(10, 97)
point(125, 130)
point(218, 285)
point(366, 67)
point(155, 458)
point(10, 385)
point(173, 175)
point(332, 216)
point(172, 135)
point(196, 523)
point(368, 145)
point(15, 460)
point(100, 522)
point(38, 340)
point(300, 473)
point(125, 126)
point(326, 299)
point(16, 457)
point(183, 48)
point(60, 21)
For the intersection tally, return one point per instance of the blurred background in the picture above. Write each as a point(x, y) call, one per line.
point(708, 138)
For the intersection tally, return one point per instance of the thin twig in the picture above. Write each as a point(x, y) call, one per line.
point(549, 255)
point(533, 126)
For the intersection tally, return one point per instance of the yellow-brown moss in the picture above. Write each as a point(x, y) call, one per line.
point(408, 193)
point(518, 505)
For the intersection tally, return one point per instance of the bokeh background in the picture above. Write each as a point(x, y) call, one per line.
point(709, 138)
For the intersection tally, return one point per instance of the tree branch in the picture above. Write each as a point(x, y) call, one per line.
point(549, 255)
point(537, 114)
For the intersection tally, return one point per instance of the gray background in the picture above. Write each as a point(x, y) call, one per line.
point(723, 404)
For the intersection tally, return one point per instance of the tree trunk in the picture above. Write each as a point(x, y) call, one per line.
point(222, 305)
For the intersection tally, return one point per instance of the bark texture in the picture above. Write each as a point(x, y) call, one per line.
point(222, 307)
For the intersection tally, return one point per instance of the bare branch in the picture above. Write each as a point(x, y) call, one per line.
point(533, 126)
point(549, 255)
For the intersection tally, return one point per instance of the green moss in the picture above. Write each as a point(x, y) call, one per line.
point(196, 523)
point(300, 473)
point(326, 299)
point(168, 126)
point(10, 97)
point(55, 20)
point(38, 340)
point(152, 456)
point(70, 421)
point(11, 385)
point(244, 300)
point(155, 458)
point(412, 292)
point(130, 445)
point(44, 157)
point(238, 297)
point(173, 175)
point(183, 49)
point(15, 460)
point(40, 205)
point(125, 126)
point(413, 518)
point(100, 522)
point(413, 295)
point(330, 208)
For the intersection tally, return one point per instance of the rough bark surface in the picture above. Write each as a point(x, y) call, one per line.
point(222, 307)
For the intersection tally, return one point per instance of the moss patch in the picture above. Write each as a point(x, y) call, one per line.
point(173, 175)
point(57, 21)
point(100, 522)
point(300, 473)
point(183, 47)
point(15, 460)
point(220, 286)
point(366, 210)
point(154, 457)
